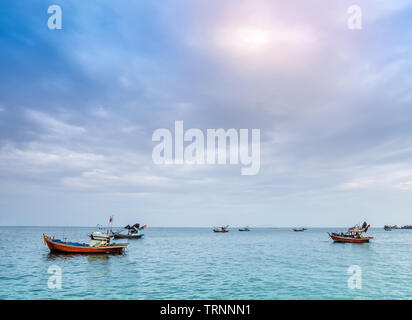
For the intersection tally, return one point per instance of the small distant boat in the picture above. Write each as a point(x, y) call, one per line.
point(221, 229)
point(299, 229)
point(133, 232)
point(245, 229)
point(387, 227)
point(99, 243)
point(128, 236)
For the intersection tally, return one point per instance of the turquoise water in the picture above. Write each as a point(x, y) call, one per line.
point(195, 263)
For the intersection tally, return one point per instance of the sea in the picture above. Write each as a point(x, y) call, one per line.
point(196, 263)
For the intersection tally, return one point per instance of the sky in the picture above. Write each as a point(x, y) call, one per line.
point(78, 107)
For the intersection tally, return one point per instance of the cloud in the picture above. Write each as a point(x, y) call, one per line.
point(101, 113)
point(332, 105)
point(358, 184)
point(405, 185)
point(104, 180)
point(53, 126)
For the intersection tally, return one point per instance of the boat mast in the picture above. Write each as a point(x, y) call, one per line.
point(110, 226)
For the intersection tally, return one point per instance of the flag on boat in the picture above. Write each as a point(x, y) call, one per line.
point(111, 219)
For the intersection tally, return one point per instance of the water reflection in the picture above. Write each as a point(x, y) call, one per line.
point(92, 258)
point(98, 258)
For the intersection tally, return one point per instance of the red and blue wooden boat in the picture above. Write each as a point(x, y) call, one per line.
point(349, 238)
point(353, 235)
point(56, 245)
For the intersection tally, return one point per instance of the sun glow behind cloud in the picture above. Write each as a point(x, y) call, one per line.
point(265, 46)
point(256, 37)
point(252, 39)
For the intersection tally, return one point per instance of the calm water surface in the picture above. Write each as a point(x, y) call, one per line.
point(195, 263)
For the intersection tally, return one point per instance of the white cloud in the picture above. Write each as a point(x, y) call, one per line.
point(54, 126)
point(104, 178)
point(385, 177)
point(358, 184)
point(101, 113)
point(46, 157)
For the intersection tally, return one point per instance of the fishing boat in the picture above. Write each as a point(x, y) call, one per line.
point(128, 236)
point(353, 235)
point(349, 238)
point(221, 229)
point(95, 246)
point(245, 229)
point(299, 229)
point(99, 243)
point(133, 232)
point(387, 228)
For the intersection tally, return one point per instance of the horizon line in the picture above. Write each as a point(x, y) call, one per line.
point(260, 227)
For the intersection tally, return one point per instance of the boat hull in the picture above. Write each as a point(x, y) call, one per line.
point(336, 238)
point(221, 231)
point(67, 248)
point(127, 236)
